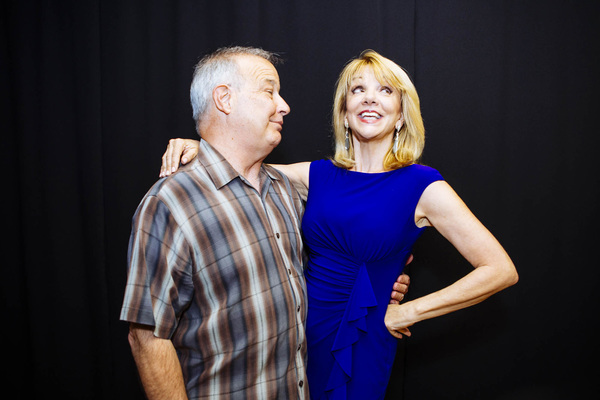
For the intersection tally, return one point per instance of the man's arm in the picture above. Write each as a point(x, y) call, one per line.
point(400, 287)
point(157, 364)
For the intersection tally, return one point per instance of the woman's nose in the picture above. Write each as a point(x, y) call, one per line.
point(369, 97)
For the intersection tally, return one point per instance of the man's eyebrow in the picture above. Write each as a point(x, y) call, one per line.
point(270, 82)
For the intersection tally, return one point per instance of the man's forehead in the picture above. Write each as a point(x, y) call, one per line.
point(260, 69)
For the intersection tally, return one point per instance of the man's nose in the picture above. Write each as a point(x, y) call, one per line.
point(283, 107)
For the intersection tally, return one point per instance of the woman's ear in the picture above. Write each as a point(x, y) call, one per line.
point(222, 97)
point(400, 123)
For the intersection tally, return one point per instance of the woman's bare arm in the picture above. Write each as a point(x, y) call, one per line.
point(494, 271)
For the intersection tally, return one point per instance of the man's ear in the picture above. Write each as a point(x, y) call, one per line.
point(222, 97)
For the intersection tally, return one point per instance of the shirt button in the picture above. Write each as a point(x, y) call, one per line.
point(289, 271)
point(298, 309)
point(299, 347)
point(277, 234)
point(301, 383)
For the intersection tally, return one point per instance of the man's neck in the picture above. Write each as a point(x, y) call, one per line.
point(244, 162)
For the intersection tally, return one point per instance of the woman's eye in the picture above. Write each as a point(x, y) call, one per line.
point(357, 89)
point(386, 90)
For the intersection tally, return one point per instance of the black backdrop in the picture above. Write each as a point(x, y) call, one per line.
point(92, 90)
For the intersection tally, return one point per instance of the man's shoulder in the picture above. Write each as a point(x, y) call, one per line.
point(274, 172)
point(283, 186)
point(191, 176)
point(277, 175)
point(177, 194)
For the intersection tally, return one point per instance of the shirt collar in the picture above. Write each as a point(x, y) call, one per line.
point(219, 169)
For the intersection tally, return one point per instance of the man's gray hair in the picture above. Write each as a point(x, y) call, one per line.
point(220, 68)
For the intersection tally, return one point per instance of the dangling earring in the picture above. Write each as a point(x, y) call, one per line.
point(347, 139)
point(398, 127)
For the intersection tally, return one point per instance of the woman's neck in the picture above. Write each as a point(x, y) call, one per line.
point(368, 157)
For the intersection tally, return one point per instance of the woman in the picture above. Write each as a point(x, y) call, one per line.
point(364, 211)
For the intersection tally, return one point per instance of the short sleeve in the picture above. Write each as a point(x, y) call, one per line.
point(159, 279)
point(426, 175)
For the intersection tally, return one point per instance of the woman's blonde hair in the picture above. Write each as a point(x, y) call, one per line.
point(411, 138)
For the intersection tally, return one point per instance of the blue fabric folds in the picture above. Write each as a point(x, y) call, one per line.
point(353, 321)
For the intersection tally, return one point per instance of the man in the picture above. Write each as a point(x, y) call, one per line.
point(215, 294)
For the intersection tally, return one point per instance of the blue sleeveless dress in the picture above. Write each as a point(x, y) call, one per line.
point(359, 230)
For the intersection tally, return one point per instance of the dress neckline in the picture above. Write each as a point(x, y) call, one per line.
point(372, 173)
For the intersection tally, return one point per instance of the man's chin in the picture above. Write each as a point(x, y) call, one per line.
point(275, 139)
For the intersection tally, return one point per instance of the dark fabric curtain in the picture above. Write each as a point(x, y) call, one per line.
point(91, 91)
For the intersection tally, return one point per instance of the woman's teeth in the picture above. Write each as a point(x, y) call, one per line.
point(370, 115)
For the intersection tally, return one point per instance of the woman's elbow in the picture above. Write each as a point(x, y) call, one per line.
point(510, 276)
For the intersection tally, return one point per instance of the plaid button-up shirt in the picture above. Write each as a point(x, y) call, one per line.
point(216, 267)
